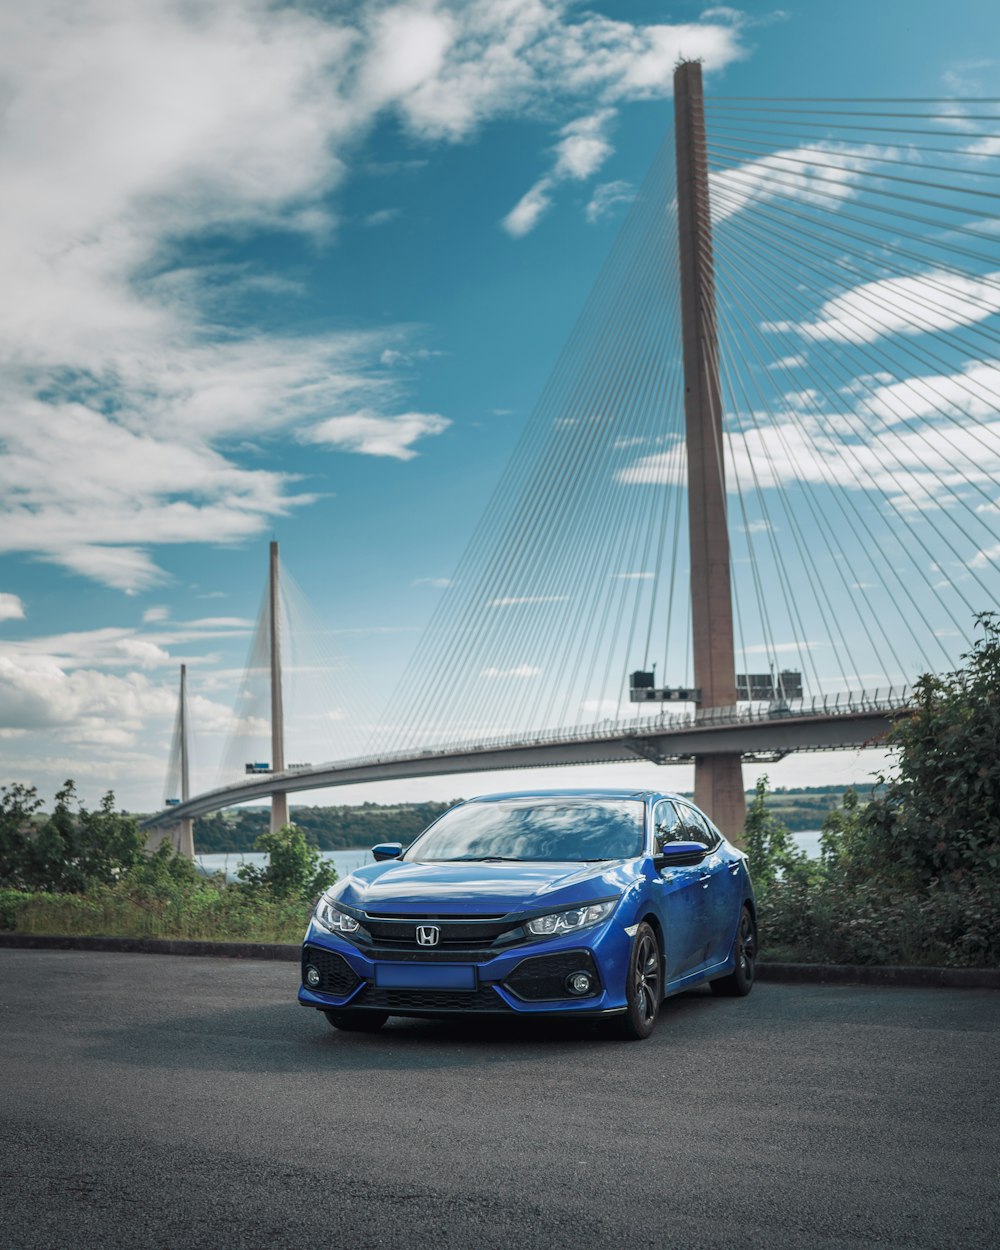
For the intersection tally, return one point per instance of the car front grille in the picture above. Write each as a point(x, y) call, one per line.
point(337, 977)
point(400, 932)
point(400, 1002)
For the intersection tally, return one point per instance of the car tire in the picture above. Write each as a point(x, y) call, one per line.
point(643, 986)
point(356, 1021)
point(739, 982)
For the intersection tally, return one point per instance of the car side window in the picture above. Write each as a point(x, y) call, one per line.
point(697, 828)
point(666, 824)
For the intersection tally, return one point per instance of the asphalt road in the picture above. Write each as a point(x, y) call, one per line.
point(152, 1101)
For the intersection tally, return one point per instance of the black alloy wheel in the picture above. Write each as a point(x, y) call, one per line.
point(643, 986)
point(356, 1021)
point(739, 982)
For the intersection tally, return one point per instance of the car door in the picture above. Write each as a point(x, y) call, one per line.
point(719, 907)
point(678, 892)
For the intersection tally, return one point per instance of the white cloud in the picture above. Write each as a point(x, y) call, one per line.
point(529, 210)
point(923, 303)
point(606, 199)
point(132, 128)
point(381, 217)
point(509, 601)
point(583, 147)
point(519, 670)
point(974, 393)
point(820, 173)
point(154, 614)
point(11, 607)
point(377, 436)
point(986, 147)
point(913, 466)
point(439, 583)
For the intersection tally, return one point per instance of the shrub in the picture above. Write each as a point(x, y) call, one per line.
point(295, 870)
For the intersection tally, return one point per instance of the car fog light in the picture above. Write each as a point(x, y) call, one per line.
point(312, 976)
point(578, 982)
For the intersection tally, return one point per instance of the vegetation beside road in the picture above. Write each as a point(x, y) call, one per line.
point(909, 876)
point(87, 873)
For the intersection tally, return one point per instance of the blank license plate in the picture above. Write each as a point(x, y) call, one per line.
point(425, 976)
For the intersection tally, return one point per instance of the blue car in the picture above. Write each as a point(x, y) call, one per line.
point(592, 903)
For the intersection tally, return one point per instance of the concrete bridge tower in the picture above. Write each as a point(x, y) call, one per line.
point(279, 802)
point(718, 779)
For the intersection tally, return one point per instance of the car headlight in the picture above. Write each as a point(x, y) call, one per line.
point(570, 921)
point(330, 916)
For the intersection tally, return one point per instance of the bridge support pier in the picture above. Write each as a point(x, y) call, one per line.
point(718, 790)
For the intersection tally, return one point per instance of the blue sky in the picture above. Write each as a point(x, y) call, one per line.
point(303, 271)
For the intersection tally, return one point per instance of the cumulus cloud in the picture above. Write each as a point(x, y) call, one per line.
point(11, 607)
point(606, 198)
point(912, 465)
point(510, 601)
point(582, 149)
point(530, 209)
point(518, 670)
point(377, 436)
point(921, 303)
point(110, 354)
point(821, 173)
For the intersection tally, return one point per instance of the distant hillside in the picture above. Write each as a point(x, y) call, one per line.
point(334, 828)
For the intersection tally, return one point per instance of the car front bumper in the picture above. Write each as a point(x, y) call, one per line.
point(528, 980)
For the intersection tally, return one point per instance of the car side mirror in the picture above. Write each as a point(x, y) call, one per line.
point(679, 855)
point(387, 850)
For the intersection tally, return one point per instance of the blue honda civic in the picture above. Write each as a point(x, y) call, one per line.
point(573, 903)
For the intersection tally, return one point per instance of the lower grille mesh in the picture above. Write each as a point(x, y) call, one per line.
point(483, 999)
point(337, 977)
point(541, 977)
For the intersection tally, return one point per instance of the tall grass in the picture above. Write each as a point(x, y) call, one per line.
point(205, 914)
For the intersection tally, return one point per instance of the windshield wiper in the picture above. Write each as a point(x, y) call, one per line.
point(487, 859)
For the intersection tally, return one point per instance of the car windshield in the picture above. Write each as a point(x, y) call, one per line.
point(561, 829)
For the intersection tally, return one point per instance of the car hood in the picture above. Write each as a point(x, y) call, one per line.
point(402, 888)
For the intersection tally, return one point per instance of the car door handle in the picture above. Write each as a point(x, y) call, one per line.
point(705, 878)
point(734, 867)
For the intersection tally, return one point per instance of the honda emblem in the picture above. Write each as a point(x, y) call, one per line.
point(428, 935)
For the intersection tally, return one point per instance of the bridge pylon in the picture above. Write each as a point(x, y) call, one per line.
point(718, 779)
point(279, 801)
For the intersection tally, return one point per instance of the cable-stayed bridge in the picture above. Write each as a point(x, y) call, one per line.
point(758, 495)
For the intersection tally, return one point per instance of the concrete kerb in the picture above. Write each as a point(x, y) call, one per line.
point(805, 974)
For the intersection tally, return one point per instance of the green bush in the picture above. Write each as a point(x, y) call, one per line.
point(71, 849)
point(294, 868)
point(911, 875)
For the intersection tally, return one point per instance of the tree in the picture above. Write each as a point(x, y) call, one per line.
point(938, 821)
point(70, 849)
point(769, 846)
point(18, 805)
point(294, 868)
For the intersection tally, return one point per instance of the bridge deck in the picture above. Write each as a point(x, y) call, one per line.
point(664, 741)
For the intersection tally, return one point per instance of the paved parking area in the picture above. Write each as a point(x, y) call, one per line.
point(185, 1102)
